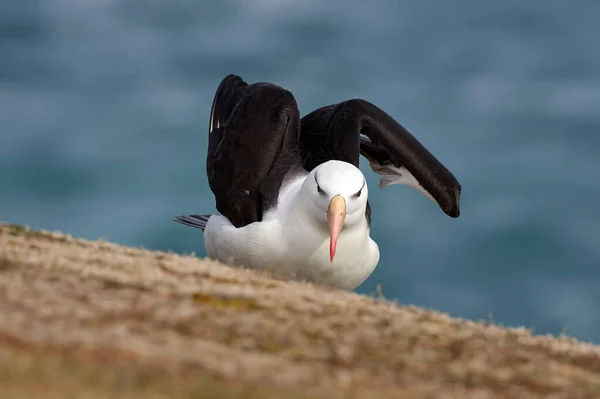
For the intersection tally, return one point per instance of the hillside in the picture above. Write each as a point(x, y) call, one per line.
point(91, 319)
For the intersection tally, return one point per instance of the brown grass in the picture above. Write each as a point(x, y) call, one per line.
point(97, 320)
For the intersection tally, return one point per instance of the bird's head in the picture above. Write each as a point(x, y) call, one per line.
point(337, 197)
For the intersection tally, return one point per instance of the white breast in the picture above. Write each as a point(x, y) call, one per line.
point(294, 247)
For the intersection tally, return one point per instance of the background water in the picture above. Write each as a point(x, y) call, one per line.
point(104, 111)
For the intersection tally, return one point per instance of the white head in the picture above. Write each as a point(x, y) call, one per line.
point(336, 195)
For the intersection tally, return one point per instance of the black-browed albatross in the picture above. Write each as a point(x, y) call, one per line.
point(288, 191)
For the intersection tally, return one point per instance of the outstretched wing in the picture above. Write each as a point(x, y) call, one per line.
point(253, 134)
point(346, 130)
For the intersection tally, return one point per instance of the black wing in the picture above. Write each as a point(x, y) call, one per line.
point(252, 145)
point(335, 132)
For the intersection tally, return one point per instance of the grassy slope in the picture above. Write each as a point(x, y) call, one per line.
point(96, 320)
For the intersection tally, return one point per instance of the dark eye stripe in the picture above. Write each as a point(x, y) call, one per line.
point(319, 189)
point(360, 191)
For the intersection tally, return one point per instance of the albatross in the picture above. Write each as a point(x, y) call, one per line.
point(289, 193)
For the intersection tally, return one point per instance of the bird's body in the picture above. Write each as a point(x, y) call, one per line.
point(290, 244)
point(290, 196)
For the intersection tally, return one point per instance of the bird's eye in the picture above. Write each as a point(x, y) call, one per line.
point(320, 190)
point(358, 193)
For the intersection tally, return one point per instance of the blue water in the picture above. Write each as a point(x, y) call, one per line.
point(104, 111)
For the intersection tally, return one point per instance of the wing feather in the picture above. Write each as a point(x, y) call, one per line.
point(346, 130)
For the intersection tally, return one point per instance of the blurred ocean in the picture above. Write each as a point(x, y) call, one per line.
point(104, 111)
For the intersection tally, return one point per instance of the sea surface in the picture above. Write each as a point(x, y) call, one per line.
point(104, 110)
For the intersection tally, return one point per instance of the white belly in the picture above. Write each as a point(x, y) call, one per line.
point(294, 251)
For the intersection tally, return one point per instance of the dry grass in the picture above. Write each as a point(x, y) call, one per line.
point(96, 320)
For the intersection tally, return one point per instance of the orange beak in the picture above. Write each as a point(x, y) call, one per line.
point(336, 216)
